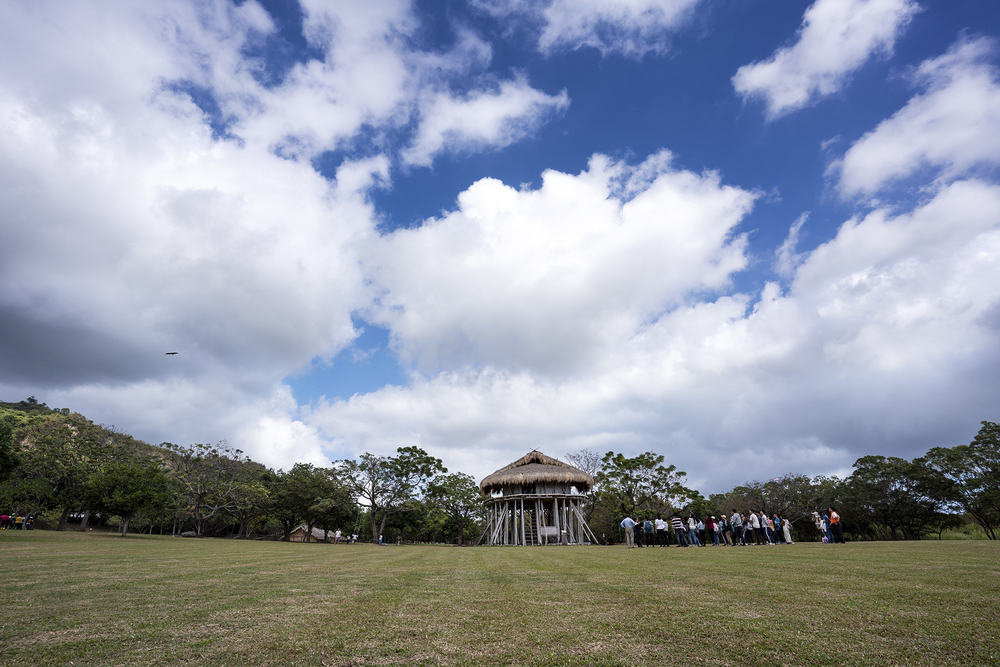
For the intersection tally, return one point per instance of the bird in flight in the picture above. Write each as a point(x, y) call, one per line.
point(171, 353)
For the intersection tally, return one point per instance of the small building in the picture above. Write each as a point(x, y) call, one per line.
point(536, 500)
point(302, 532)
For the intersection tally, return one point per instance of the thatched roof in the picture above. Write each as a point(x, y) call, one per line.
point(536, 467)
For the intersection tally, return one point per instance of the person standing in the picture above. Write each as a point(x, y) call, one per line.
point(837, 527)
point(786, 526)
point(678, 525)
point(727, 539)
point(661, 531)
point(693, 530)
point(629, 525)
point(712, 530)
point(647, 529)
point(765, 522)
point(737, 522)
point(827, 530)
point(755, 527)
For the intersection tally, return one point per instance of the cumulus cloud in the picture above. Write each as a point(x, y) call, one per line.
point(483, 119)
point(836, 38)
point(626, 27)
point(952, 127)
point(596, 310)
point(135, 222)
point(543, 278)
point(881, 334)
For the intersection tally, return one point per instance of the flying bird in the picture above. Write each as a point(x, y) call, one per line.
point(171, 353)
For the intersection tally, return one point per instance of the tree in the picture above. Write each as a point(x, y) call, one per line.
point(896, 493)
point(250, 504)
point(973, 474)
point(385, 483)
point(58, 455)
point(128, 487)
point(459, 496)
point(208, 479)
point(333, 507)
point(590, 463)
point(631, 483)
point(8, 456)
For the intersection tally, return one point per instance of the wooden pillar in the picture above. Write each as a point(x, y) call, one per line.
point(555, 517)
point(523, 543)
point(516, 517)
point(506, 527)
point(538, 520)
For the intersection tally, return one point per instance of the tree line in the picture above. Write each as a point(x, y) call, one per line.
point(884, 498)
point(62, 468)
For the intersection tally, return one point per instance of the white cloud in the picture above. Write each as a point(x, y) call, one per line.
point(836, 38)
point(786, 259)
point(483, 119)
point(631, 28)
point(540, 278)
point(594, 311)
point(130, 230)
point(952, 127)
point(881, 337)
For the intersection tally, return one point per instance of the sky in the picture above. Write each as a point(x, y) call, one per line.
point(755, 237)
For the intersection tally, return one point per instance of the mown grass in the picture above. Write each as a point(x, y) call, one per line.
point(85, 599)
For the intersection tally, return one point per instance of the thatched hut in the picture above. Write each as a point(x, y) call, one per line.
point(536, 500)
point(301, 534)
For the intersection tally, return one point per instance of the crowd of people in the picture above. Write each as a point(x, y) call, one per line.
point(754, 529)
point(19, 522)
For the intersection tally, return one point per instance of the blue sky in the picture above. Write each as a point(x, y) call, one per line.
point(756, 237)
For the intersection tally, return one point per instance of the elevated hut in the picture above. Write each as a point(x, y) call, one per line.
point(536, 500)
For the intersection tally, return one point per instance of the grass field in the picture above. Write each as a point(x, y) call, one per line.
point(76, 599)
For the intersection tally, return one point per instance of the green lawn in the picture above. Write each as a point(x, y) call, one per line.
point(71, 598)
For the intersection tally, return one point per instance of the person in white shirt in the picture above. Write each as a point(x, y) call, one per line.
point(693, 530)
point(755, 526)
point(661, 531)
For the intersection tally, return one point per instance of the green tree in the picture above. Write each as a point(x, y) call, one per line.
point(128, 487)
point(8, 454)
point(385, 483)
point(973, 474)
point(332, 505)
point(316, 496)
point(250, 505)
point(57, 457)
point(894, 493)
point(631, 483)
point(459, 496)
point(208, 479)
